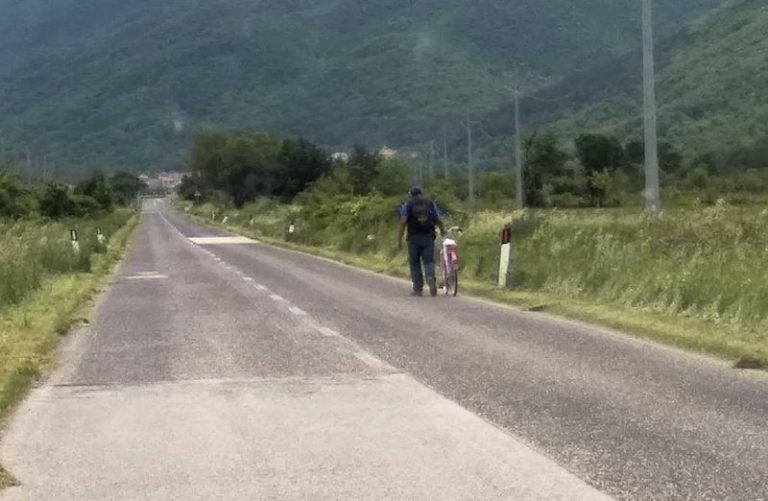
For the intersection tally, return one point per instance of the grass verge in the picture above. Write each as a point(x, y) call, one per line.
point(746, 350)
point(30, 330)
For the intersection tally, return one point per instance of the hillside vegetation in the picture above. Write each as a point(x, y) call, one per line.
point(98, 84)
point(712, 98)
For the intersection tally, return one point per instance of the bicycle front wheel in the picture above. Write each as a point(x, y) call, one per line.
point(452, 283)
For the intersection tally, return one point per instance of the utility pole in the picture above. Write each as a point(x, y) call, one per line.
point(652, 194)
point(519, 191)
point(470, 162)
point(431, 160)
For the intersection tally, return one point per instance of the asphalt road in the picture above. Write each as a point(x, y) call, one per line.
point(217, 368)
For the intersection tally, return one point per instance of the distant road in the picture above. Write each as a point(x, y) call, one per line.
point(221, 368)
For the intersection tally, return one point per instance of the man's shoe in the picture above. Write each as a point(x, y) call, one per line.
point(417, 293)
point(432, 287)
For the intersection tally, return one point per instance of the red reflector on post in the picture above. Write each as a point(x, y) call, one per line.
point(506, 236)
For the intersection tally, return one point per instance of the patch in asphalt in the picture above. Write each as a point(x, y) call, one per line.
point(222, 240)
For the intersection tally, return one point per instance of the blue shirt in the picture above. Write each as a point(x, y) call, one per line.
point(407, 208)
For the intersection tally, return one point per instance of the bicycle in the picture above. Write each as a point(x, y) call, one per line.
point(449, 261)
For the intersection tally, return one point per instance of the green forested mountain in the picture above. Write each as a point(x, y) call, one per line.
point(712, 92)
point(102, 83)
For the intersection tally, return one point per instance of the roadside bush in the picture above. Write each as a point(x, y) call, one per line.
point(55, 202)
point(98, 189)
point(84, 206)
point(15, 200)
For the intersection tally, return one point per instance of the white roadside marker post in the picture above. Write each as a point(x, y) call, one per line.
point(291, 230)
point(75, 242)
point(506, 252)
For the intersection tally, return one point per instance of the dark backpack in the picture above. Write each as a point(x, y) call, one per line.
point(422, 215)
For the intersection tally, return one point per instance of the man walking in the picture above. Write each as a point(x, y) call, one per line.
point(420, 217)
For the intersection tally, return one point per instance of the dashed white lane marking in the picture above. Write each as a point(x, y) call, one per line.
point(297, 311)
point(368, 359)
point(374, 362)
point(325, 331)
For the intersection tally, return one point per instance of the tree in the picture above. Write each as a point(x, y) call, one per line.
point(301, 163)
point(188, 188)
point(362, 167)
point(55, 202)
point(669, 158)
point(243, 165)
point(544, 161)
point(391, 179)
point(125, 187)
point(598, 152)
point(635, 152)
point(97, 188)
point(600, 156)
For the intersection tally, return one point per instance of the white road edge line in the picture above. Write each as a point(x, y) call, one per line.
point(277, 298)
point(297, 311)
point(374, 362)
point(325, 331)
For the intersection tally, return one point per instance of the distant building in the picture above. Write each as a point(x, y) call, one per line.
point(162, 182)
point(340, 157)
point(388, 152)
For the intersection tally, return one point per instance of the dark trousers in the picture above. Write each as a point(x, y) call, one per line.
point(421, 249)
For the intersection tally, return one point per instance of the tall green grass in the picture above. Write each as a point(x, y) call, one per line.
point(30, 249)
point(707, 263)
